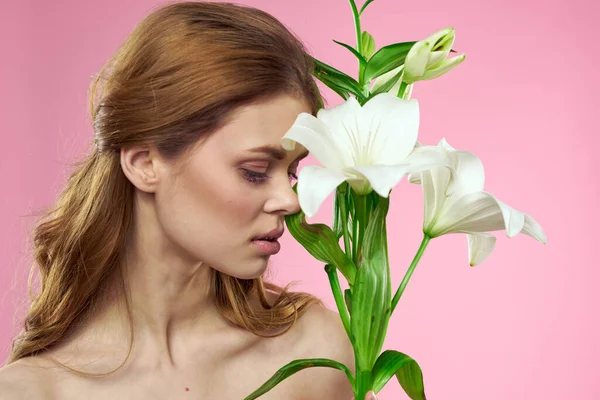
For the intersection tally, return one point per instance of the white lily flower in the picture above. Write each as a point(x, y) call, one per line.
point(426, 59)
point(468, 209)
point(371, 147)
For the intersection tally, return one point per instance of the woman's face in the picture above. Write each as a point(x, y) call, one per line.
point(233, 189)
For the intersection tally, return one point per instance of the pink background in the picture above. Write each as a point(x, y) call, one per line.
point(522, 325)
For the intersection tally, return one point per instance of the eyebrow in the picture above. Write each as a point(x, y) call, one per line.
point(277, 153)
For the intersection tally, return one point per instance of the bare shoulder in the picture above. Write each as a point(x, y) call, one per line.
point(25, 379)
point(324, 332)
point(322, 335)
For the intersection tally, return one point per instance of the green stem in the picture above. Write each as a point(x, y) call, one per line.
point(360, 205)
point(364, 383)
point(354, 240)
point(339, 298)
point(358, 39)
point(344, 213)
point(402, 89)
point(413, 265)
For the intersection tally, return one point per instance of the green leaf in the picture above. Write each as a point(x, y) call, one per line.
point(372, 291)
point(362, 60)
point(337, 80)
point(411, 380)
point(332, 85)
point(364, 6)
point(295, 366)
point(368, 45)
point(387, 85)
point(386, 59)
point(321, 242)
point(406, 369)
point(343, 93)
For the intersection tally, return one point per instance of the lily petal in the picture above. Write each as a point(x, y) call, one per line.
point(443, 180)
point(469, 174)
point(442, 39)
point(380, 80)
point(434, 183)
point(443, 67)
point(426, 157)
point(390, 123)
point(479, 212)
point(436, 57)
point(342, 123)
point(444, 143)
point(382, 177)
point(416, 60)
point(415, 178)
point(317, 138)
point(533, 229)
point(480, 246)
point(315, 183)
point(438, 180)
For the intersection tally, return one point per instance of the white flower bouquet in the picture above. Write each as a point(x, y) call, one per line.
point(366, 146)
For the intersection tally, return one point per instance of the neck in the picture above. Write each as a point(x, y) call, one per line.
point(171, 302)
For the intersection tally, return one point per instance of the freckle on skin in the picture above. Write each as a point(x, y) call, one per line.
point(187, 389)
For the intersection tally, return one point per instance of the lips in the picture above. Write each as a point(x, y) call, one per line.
point(270, 236)
point(267, 243)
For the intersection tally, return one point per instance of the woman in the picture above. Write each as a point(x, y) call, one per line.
point(151, 260)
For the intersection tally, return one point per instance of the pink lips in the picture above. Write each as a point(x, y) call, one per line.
point(267, 242)
point(271, 235)
point(267, 247)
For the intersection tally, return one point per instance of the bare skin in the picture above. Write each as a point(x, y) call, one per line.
point(228, 367)
point(189, 218)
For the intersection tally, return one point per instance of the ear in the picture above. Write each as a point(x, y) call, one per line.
point(141, 165)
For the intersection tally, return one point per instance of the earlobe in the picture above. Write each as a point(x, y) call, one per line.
point(139, 166)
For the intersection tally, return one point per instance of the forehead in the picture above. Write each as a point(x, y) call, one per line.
point(260, 124)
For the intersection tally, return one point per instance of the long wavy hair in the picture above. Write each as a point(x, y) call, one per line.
point(175, 80)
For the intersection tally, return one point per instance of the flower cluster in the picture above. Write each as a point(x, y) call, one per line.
point(365, 146)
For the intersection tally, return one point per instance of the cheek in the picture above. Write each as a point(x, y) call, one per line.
point(208, 215)
point(224, 198)
point(212, 219)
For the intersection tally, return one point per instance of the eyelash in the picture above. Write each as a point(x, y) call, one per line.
point(259, 177)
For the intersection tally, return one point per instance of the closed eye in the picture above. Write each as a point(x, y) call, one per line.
point(260, 177)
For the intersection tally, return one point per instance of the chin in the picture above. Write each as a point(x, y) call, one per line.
point(252, 273)
point(243, 268)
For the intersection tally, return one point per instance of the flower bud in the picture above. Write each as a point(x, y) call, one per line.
point(427, 58)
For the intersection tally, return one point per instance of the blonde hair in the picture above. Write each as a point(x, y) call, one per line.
point(176, 79)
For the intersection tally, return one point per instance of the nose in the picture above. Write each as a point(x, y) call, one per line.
point(282, 200)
